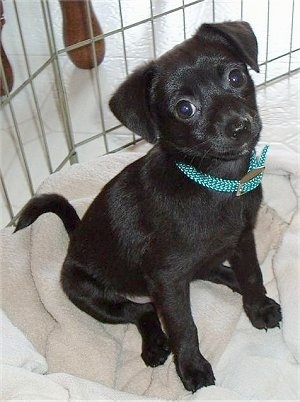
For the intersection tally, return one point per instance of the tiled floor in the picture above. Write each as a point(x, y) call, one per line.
point(279, 102)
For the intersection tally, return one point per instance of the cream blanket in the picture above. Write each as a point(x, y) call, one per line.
point(51, 350)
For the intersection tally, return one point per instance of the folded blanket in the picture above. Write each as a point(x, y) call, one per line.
point(85, 359)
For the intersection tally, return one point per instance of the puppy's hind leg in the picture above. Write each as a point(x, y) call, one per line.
point(223, 275)
point(105, 305)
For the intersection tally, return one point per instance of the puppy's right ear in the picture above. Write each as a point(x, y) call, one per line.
point(131, 103)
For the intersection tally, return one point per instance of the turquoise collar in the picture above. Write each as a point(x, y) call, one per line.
point(249, 182)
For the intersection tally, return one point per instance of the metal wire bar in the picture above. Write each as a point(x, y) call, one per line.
point(242, 10)
point(20, 149)
point(36, 103)
point(6, 197)
point(280, 57)
point(291, 37)
point(115, 150)
point(88, 140)
point(16, 91)
point(153, 30)
point(94, 137)
point(59, 82)
point(267, 44)
point(19, 144)
point(183, 19)
point(278, 78)
point(96, 76)
point(124, 49)
point(123, 37)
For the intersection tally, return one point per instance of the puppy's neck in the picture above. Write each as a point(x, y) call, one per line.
point(229, 169)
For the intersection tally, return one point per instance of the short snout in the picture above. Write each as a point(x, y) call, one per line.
point(235, 130)
point(238, 127)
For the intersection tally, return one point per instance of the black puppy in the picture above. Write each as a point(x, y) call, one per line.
point(179, 212)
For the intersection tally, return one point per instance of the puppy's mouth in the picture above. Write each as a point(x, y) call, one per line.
point(236, 136)
point(232, 151)
point(219, 151)
point(231, 154)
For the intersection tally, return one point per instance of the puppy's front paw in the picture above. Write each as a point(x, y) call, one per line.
point(156, 350)
point(264, 313)
point(196, 375)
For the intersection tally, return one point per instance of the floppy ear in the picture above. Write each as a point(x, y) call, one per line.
point(239, 35)
point(131, 103)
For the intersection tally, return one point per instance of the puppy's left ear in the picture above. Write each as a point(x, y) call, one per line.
point(131, 103)
point(238, 34)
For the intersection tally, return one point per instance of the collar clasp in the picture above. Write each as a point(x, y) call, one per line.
point(245, 179)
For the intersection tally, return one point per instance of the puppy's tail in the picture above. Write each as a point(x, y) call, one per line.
point(41, 204)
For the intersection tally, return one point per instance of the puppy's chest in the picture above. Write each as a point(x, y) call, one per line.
point(214, 224)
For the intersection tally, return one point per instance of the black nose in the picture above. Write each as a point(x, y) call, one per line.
point(238, 126)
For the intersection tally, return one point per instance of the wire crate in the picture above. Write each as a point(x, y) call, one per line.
point(56, 114)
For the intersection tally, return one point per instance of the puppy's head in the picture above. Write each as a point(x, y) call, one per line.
point(199, 97)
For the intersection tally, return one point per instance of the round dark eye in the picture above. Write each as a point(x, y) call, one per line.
point(185, 109)
point(237, 78)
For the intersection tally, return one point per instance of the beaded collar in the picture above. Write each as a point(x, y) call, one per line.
point(249, 182)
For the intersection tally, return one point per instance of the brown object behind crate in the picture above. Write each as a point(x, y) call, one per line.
point(7, 69)
point(76, 28)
